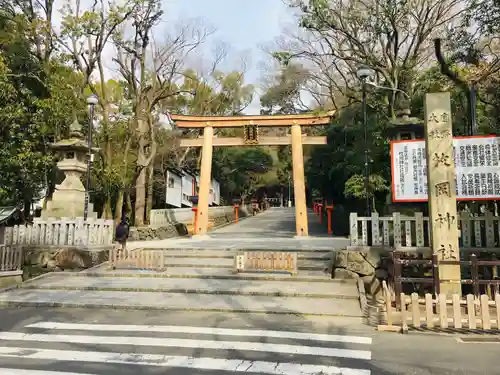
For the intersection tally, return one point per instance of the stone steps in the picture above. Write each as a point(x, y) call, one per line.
point(341, 290)
point(336, 299)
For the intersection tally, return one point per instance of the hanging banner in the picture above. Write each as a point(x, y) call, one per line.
point(477, 162)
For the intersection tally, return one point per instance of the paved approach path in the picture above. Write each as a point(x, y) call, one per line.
point(274, 223)
point(273, 229)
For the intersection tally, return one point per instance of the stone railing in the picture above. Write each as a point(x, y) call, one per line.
point(412, 233)
point(11, 258)
point(60, 232)
point(184, 215)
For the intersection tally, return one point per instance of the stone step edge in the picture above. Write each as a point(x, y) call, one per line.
point(226, 266)
point(189, 256)
point(315, 279)
point(18, 304)
point(232, 249)
point(192, 291)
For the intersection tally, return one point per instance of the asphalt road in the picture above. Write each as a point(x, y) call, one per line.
point(78, 341)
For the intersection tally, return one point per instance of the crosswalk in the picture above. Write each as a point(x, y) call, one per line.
point(103, 349)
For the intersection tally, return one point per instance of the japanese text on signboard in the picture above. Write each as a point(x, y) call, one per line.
point(477, 162)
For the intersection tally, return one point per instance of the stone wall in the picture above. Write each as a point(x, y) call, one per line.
point(60, 258)
point(179, 229)
point(371, 267)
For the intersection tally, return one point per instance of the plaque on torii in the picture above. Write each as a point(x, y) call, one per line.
point(250, 125)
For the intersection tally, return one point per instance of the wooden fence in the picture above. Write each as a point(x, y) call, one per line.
point(488, 283)
point(71, 232)
point(137, 259)
point(441, 312)
point(11, 258)
point(412, 233)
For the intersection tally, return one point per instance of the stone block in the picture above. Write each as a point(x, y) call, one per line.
point(72, 258)
point(64, 258)
point(343, 274)
point(361, 262)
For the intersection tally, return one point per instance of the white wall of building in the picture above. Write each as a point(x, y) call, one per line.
point(215, 196)
point(174, 189)
point(188, 189)
point(179, 189)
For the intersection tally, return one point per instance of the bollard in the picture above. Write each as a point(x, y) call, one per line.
point(320, 211)
point(236, 213)
point(195, 219)
point(329, 210)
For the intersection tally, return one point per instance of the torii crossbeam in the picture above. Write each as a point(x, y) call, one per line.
point(251, 138)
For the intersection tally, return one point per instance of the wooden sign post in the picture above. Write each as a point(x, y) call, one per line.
point(442, 188)
point(250, 125)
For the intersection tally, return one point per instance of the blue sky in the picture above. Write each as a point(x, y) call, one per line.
point(244, 24)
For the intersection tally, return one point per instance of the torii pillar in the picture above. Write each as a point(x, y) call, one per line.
point(299, 185)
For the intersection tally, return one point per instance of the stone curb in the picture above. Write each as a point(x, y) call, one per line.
point(161, 308)
point(190, 291)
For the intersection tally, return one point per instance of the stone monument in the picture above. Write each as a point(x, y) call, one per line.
point(68, 199)
point(443, 218)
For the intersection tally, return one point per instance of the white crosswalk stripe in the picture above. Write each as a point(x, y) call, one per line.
point(110, 345)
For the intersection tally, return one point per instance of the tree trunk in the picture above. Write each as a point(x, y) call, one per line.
point(119, 207)
point(149, 205)
point(107, 212)
point(140, 197)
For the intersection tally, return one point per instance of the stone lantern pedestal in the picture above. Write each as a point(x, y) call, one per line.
point(68, 199)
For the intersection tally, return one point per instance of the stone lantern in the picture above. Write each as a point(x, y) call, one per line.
point(68, 199)
point(405, 127)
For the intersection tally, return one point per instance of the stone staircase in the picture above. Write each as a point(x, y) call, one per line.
point(200, 280)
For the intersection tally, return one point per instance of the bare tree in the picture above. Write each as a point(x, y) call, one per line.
point(392, 38)
point(150, 69)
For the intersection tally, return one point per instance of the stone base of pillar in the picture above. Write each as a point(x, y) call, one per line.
point(450, 272)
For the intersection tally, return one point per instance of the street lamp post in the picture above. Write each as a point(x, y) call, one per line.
point(91, 102)
point(364, 74)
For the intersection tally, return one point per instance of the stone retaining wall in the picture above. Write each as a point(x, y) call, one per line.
point(61, 258)
point(178, 229)
point(371, 267)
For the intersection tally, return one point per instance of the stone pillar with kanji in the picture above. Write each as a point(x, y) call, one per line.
point(443, 218)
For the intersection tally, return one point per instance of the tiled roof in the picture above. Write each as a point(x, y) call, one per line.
point(6, 213)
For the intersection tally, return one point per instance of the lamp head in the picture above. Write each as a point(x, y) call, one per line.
point(364, 73)
point(92, 99)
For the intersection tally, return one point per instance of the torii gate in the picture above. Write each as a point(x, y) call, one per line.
point(251, 138)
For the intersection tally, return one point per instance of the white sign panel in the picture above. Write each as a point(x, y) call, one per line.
point(477, 161)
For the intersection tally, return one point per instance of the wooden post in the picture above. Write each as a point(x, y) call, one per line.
point(236, 213)
point(299, 185)
point(321, 213)
point(205, 181)
point(443, 216)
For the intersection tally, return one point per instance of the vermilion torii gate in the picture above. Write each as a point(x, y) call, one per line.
point(251, 138)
